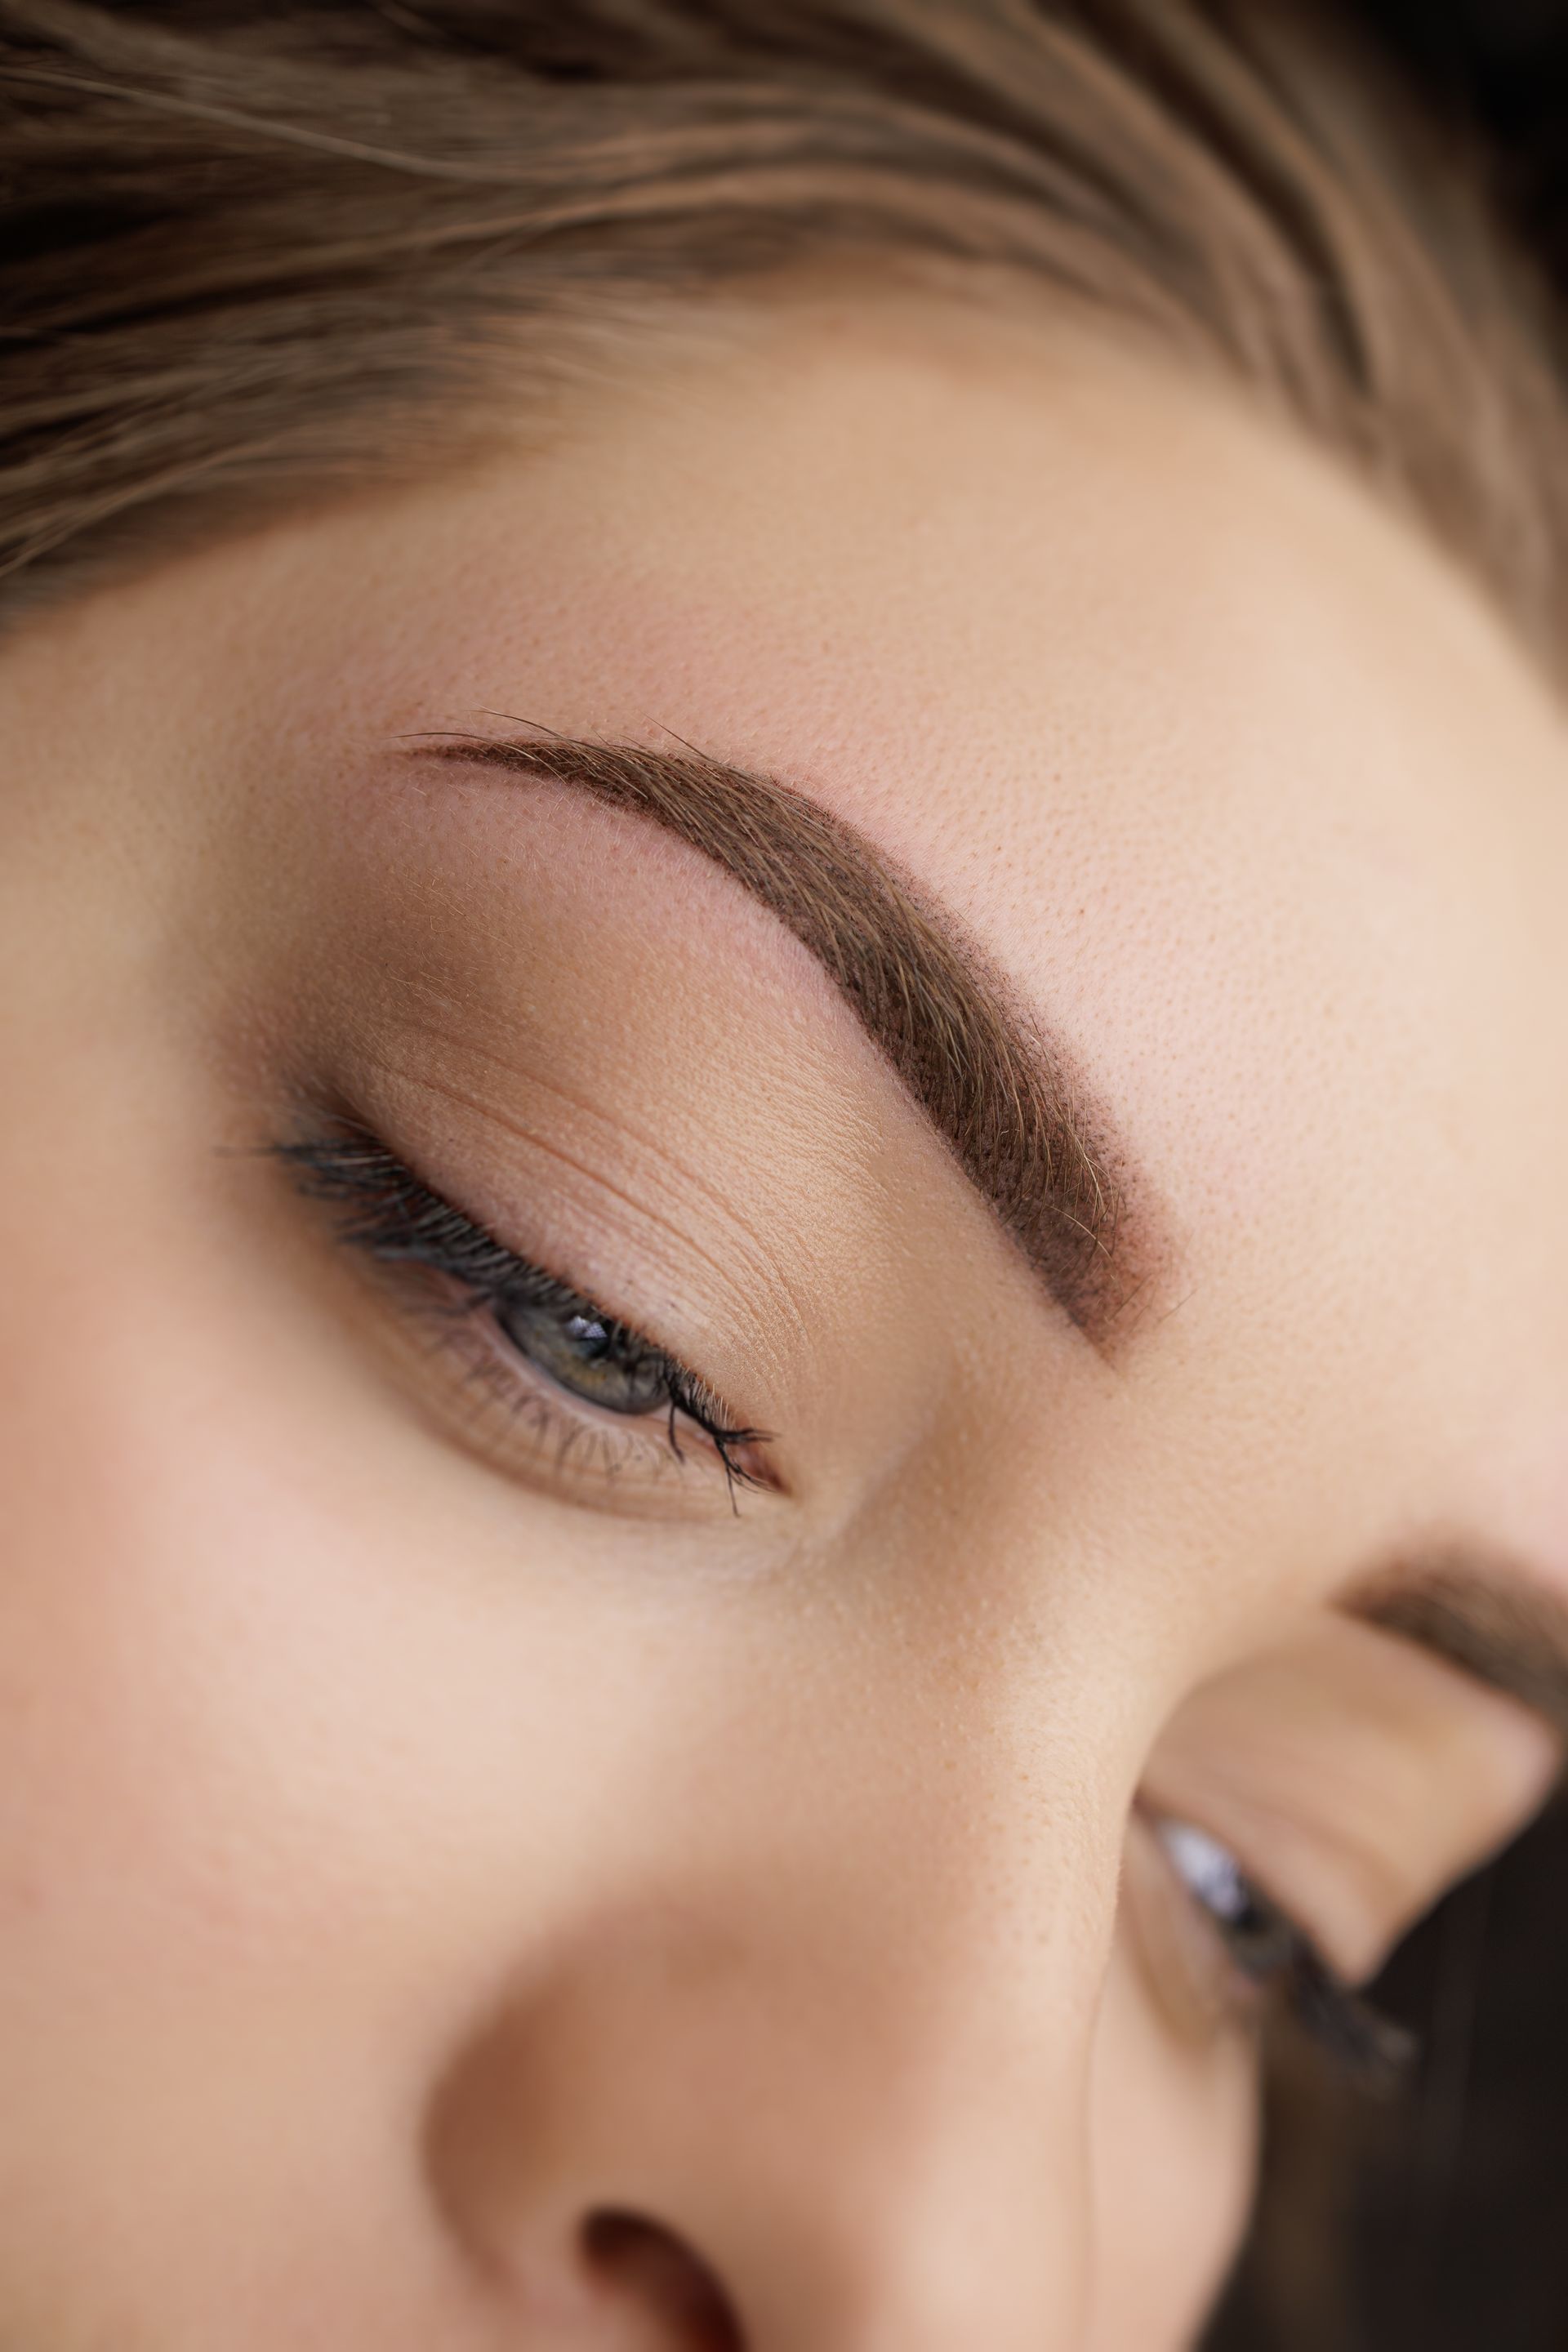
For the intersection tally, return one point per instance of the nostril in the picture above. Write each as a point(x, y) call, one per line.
point(647, 2265)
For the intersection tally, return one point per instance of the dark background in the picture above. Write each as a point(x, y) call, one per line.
point(1503, 63)
point(1441, 2224)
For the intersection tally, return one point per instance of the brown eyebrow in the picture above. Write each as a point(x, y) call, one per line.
point(993, 1085)
point(1491, 1619)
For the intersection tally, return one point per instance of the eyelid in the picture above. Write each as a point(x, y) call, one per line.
point(1371, 1776)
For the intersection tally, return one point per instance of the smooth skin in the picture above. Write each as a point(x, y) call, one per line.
point(421, 1832)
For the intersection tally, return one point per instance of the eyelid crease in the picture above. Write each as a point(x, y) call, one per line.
point(771, 1278)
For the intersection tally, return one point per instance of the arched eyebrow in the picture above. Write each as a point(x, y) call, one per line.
point(1490, 1618)
point(993, 1086)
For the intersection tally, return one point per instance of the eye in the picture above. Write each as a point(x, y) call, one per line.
point(1269, 1954)
point(554, 1359)
point(1259, 1941)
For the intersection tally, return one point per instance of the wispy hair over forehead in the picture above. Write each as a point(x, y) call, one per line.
point(254, 256)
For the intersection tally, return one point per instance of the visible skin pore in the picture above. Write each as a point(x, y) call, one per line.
point(426, 1826)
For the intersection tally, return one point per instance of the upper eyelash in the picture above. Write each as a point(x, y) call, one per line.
point(389, 1212)
point(1366, 2046)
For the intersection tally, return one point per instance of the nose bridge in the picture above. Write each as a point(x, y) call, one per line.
point(851, 2078)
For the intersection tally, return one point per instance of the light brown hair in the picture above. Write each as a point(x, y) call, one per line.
point(256, 255)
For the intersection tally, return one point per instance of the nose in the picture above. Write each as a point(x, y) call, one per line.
point(712, 2132)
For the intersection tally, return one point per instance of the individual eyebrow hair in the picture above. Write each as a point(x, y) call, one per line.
point(992, 1083)
point(1490, 1620)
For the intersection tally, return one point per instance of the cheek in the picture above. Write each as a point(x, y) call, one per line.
point(252, 1698)
point(260, 1763)
point(182, 1966)
point(1174, 2149)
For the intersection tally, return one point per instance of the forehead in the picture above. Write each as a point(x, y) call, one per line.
point(1161, 702)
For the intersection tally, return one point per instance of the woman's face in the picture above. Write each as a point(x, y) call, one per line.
point(495, 1851)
